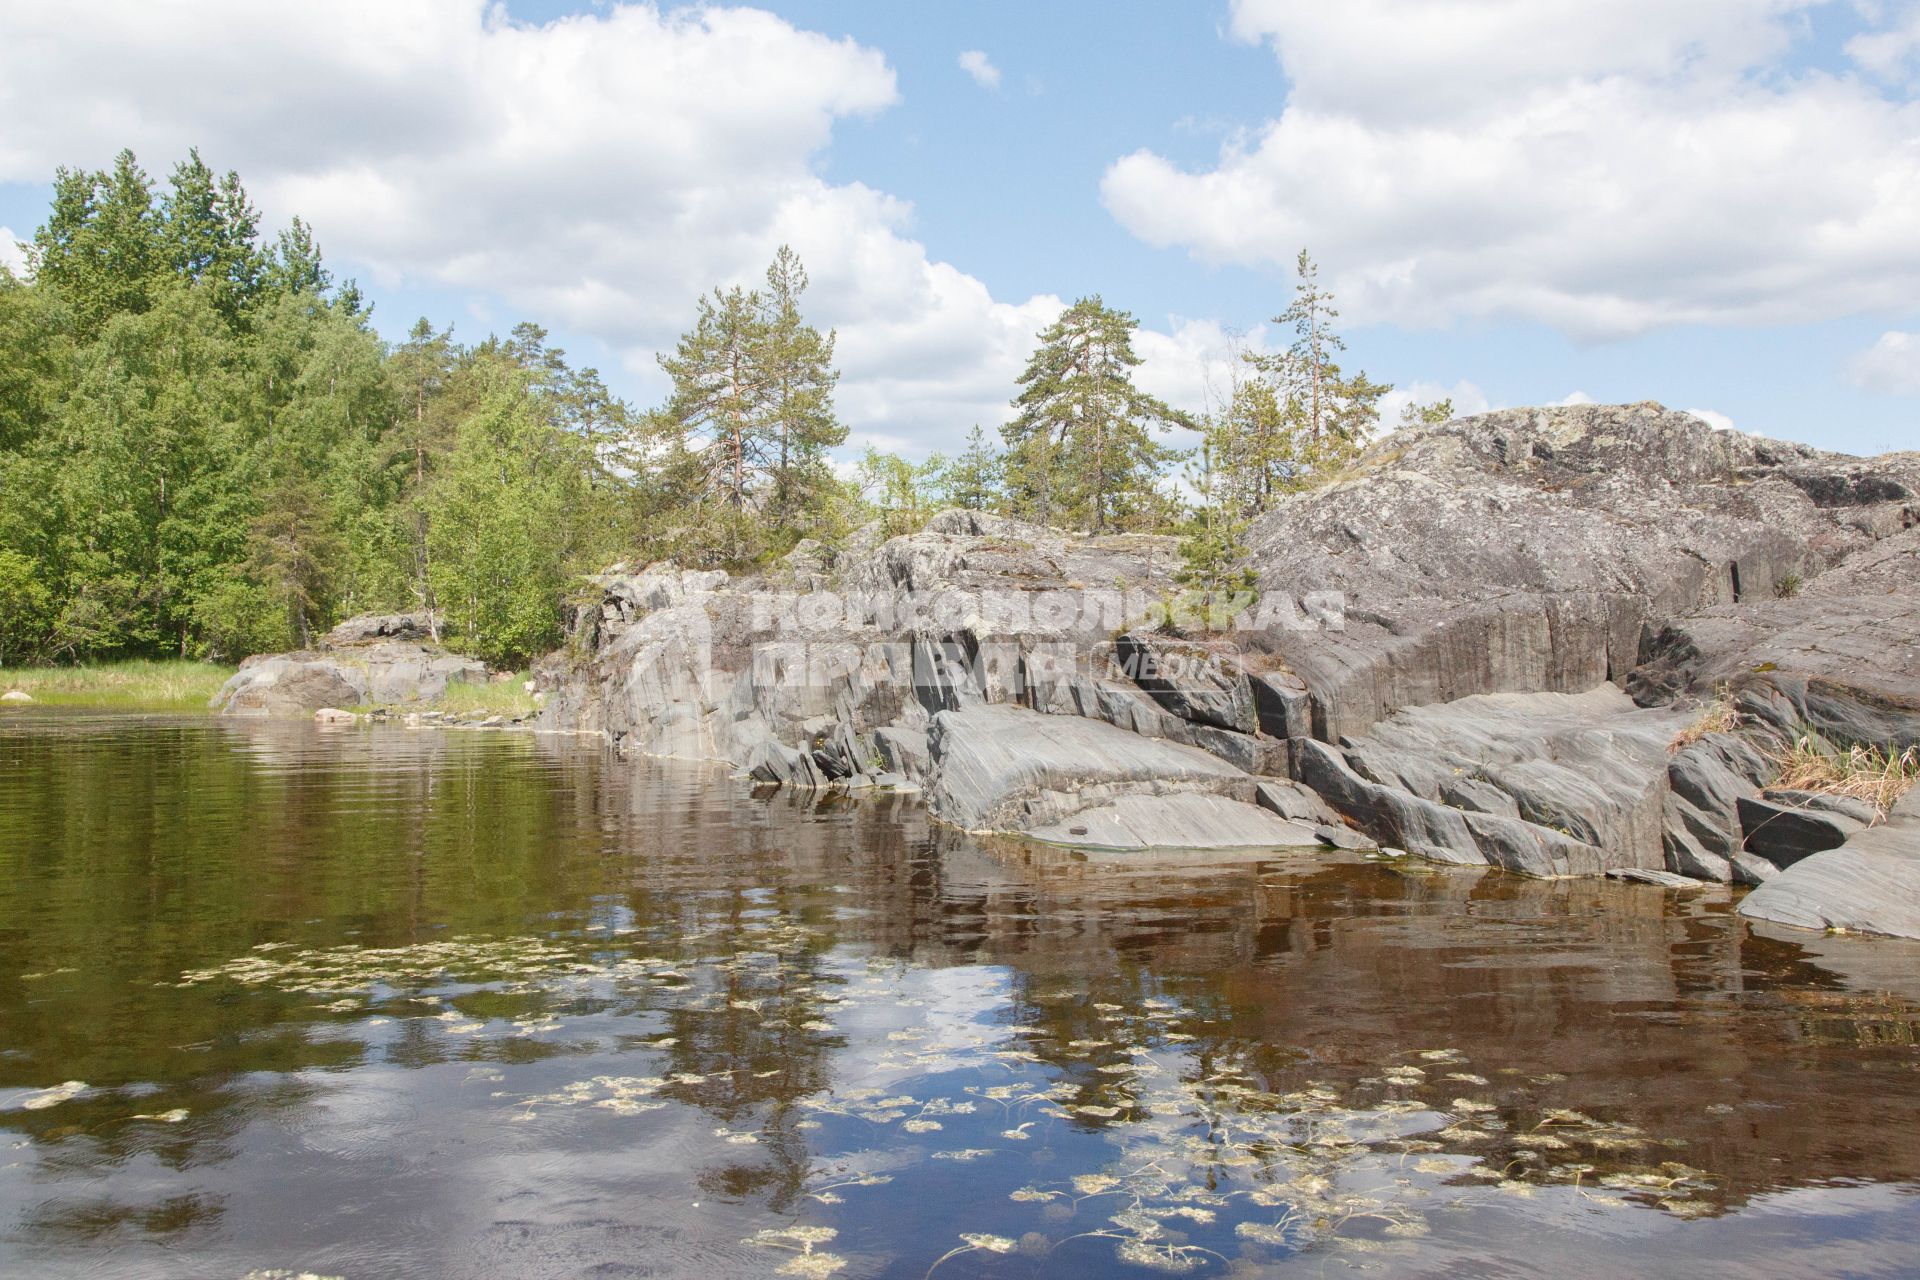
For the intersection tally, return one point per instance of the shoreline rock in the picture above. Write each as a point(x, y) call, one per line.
point(378, 659)
point(1490, 645)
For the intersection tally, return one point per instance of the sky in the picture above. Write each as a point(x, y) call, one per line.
point(1710, 203)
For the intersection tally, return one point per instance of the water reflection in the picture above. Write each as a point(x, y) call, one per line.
point(388, 1002)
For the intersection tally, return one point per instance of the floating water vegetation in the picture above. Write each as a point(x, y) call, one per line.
point(41, 1099)
point(1203, 1155)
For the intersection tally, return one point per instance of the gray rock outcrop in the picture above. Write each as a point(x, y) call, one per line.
point(370, 660)
point(1489, 645)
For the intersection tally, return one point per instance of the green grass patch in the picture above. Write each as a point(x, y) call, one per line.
point(136, 685)
point(496, 698)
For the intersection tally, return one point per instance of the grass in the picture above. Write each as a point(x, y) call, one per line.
point(135, 685)
point(1877, 775)
point(496, 698)
point(1717, 716)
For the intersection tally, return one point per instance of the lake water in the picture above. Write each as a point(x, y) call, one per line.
point(379, 1003)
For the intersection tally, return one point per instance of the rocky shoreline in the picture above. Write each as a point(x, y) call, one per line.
point(1569, 641)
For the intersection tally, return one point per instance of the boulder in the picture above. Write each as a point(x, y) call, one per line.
point(1524, 550)
point(290, 684)
point(1438, 650)
point(1295, 803)
point(381, 672)
point(1555, 781)
point(1399, 819)
point(1282, 705)
point(16, 695)
point(1198, 681)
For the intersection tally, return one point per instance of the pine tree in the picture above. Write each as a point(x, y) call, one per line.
point(1080, 451)
point(972, 480)
point(1301, 417)
point(800, 376)
point(1414, 414)
point(715, 424)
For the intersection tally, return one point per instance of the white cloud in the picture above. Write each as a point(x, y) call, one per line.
point(1572, 398)
point(1718, 421)
point(1606, 169)
point(596, 173)
point(1889, 53)
point(1890, 366)
point(976, 64)
point(11, 256)
point(1467, 399)
point(1193, 366)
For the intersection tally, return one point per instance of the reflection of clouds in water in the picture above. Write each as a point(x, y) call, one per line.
point(939, 1015)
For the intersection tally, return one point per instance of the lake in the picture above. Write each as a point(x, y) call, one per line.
point(376, 1002)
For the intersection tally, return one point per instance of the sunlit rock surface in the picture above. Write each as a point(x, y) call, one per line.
point(1498, 581)
point(379, 659)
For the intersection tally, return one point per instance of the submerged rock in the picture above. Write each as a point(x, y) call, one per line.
point(1178, 820)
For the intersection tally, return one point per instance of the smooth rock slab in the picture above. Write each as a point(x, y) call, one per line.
point(1000, 768)
point(1870, 884)
point(1185, 820)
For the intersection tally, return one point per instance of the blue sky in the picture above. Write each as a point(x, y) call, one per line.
point(1714, 207)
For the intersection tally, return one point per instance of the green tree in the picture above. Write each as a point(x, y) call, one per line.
point(1414, 414)
point(899, 494)
point(797, 360)
point(715, 425)
point(102, 247)
point(26, 609)
point(1080, 450)
point(1214, 557)
point(972, 480)
point(1323, 414)
point(506, 517)
point(210, 231)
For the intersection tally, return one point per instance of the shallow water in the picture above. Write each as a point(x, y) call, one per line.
point(378, 1002)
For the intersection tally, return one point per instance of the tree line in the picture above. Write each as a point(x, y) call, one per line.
point(206, 450)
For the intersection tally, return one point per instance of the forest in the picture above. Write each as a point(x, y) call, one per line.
point(208, 451)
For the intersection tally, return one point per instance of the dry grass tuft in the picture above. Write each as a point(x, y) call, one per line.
point(1877, 775)
point(1717, 716)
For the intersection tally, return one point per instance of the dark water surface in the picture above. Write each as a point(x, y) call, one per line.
point(379, 1002)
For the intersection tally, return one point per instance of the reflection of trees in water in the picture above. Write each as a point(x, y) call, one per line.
point(1593, 1013)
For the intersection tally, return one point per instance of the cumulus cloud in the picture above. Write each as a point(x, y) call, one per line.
point(976, 64)
point(1467, 399)
point(1718, 421)
point(1889, 52)
point(1194, 365)
point(1606, 169)
point(1890, 366)
point(12, 257)
point(596, 173)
